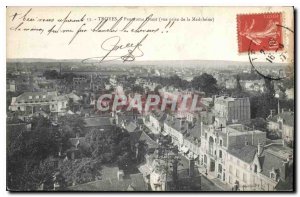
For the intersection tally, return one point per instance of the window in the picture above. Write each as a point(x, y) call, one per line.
point(280, 125)
point(245, 177)
point(30, 97)
point(220, 168)
point(37, 97)
point(220, 153)
point(230, 169)
point(205, 159)
point(221, 142)
point(44, 96)
point(237, 173)
point(255, 168)
point(272, 175)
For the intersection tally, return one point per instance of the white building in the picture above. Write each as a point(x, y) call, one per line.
point(33, 101)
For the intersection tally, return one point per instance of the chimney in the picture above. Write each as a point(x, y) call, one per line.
point(77, 143)
point(191, 167)
point(259, 149)
point(77, 135)
point(284, 170)
point(278, 106)
point(59, 151)
point(120, 175)
point(271, 113)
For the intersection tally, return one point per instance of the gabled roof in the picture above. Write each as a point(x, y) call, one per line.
point(136, 137)
point(288, 118)
point(269, 162)
point(134, 182)
point(160, 116)
point(131, 127)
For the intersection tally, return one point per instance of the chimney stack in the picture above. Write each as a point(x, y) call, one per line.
point(77, 134)
point(284, 170)
point(259, 149)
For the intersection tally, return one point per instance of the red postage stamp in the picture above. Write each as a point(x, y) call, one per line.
point(261, 31)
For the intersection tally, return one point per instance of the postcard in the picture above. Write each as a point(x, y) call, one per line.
point(150, 99)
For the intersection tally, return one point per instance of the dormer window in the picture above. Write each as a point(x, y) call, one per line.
point(221, 142)
point(273, 175)
point(30, 97)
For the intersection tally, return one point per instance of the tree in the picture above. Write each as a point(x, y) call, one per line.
point(138, 89)
point(238, 84)
point(27, 155)
point(80, 171)
point(258, 123)
point(111, 147)
point(206, 83)
point(157, 88)
point(51, 74)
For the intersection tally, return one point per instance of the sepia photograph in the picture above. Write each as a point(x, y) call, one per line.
point(132, 99)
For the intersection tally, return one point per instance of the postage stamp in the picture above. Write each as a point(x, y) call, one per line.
point(260, 30)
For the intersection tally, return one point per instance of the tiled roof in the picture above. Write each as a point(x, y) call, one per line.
point(244, 153)
point(269, 161)
point(134, 182)
point(142, 136)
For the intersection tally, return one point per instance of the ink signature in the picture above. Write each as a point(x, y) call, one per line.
point(116, 51)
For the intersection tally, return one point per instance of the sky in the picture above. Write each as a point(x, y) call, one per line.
point(184, 40)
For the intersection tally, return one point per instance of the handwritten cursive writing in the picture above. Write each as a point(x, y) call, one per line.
point(117, 51)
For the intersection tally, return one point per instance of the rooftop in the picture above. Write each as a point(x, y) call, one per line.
point(288, 118)
point(98, 121)
point(244, 153)
point(110, 182)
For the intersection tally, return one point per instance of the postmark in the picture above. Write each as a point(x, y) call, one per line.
point(262, 37)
